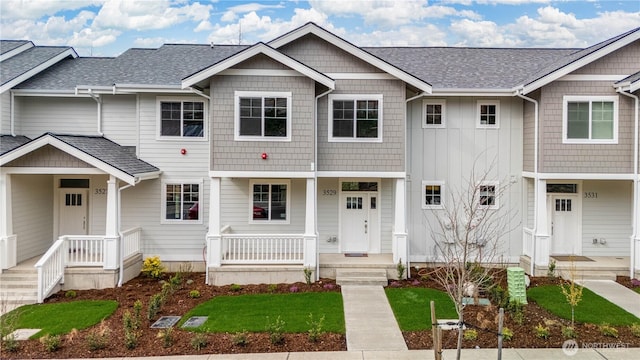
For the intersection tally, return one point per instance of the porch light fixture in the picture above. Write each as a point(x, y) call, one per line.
point(264, 156)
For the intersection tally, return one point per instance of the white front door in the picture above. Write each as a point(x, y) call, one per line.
point(73, 212)
point(359, 223)
point(564, 225)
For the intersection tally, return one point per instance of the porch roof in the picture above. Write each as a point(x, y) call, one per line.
point(9, 142)
point(98, 151)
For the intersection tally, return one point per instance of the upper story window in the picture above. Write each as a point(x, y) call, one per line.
point(270, 201)
point(432, 194)
point(590, 119)
point(355, 118)
point(262, 116)
point(181, 118)
point(434, 113)
point(181, 202)
point(488, 193)
point(488, 114)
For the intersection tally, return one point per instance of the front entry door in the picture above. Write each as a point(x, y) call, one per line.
point(359, 221)
point(73, 212)
point(564, 225)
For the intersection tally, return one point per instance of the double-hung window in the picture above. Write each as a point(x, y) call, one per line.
point(590, 119)
point(488, 195)
point(488, 114)
point(434, 113)
point(355, 118)
point(181, 118)
point(181, 202)
point(263, 116)
point(270, 201)
point(432, 194)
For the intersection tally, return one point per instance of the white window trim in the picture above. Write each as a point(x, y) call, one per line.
point(354, 97)
point(270, 182)
point(163, 203)
point(496, 185)
point(443, 104)
point(565, 118)
point(205, 125)
point(261, 94)
point(479, 103)
point(424, 194)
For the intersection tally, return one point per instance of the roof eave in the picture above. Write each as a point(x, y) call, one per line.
point(472, 92)
point(35, 70)
point(16, 51)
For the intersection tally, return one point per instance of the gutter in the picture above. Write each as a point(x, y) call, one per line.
point(98, 100)
point(535, 174)
point(315, 177)
point(636, 188)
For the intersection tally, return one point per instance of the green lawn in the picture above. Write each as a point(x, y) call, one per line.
point(253, 312)
point(60, 318)
point(637, 289)
point(592, 309)
point(411, 307)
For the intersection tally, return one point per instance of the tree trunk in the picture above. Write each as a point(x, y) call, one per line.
point(460, 325)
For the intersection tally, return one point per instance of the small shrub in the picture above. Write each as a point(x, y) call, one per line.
point(499, 296)
point(608, 330)
point(551, 270)
point(294, 289)
point(154, 306)
point(194, 294)
point(51, 342)
point(542, 331)
point(131, 339)
point(235, 287)
point(131, 323)
point(635, 329)
point(70, 294)
point(152, 267)
point(569, 332)
point(176, 280)
point(516, 309)
point(315, 328)
point(400, 268)
point(10, 344)
point(470, 334)
point(240, 338)
point(328, 286)
point(167, 337)
point(308, 272)
point(272, 288)
point(199, 341)
point(99, 338)
point(275, 330)
point(507, 334)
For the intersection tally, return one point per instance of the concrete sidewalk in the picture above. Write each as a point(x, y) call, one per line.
point(471, 354)
point(616, 293)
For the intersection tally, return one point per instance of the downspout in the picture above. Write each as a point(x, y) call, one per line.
point(315, 178)
point(13, 114)
point(406, 166)
point(535, 179)
point(118, 206)
point(99, 102)
point(634, 231)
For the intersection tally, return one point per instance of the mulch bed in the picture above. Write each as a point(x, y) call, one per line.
point(149, 344)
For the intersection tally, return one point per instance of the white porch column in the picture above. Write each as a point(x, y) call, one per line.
point(399, 241)
point(310, 237)
point(214, 238)
point(542, 237)
point(8, 240)
point(112, 236)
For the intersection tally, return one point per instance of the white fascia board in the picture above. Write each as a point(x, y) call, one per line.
point(569, 68)
point(16, 51)
point(578, 176)
point(33, 71)
point(362, 174)
point(257, 49)
point(47, 93)
point(51, 171)
point(311, 28)
point(61, 145)
point(262, 174)
point(149, 175)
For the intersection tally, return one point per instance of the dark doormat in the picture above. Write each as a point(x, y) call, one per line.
point(571, 258)
point(355, 254)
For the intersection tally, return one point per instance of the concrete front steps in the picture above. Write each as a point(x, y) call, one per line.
point(361, 276)
point(18, 286)
point(587, 274)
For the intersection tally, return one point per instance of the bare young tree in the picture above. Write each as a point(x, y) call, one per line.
point(468, 231)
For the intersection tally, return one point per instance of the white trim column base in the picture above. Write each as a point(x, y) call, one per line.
point(310, 251)
point(8, 251)
point(110, 253)
point(543, 243)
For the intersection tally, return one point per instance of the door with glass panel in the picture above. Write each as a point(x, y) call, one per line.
point(359, 223)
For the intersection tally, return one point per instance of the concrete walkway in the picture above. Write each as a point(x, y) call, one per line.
point(369, 319)
point(616, 293)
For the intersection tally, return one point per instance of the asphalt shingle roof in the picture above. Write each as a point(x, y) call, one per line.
point(8, 45)
point(8, 142)
point(27, 60)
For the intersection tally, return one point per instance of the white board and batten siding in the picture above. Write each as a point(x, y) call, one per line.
point(32, 196)
point(449, 154)
point(39, 115)
point(607, 216)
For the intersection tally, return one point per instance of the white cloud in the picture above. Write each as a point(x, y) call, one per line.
point(148, 15)
point(92, 39)
point(154, 42)
point(35, 9)
point(429, 35)
point(482, 34)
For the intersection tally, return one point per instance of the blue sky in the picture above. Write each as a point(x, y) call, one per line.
point(109, 27)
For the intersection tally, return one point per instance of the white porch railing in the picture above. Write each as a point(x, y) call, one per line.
point(262, 249)
point(84, 250)
point(131, 241)
point(50, 269)
point(527, 241)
